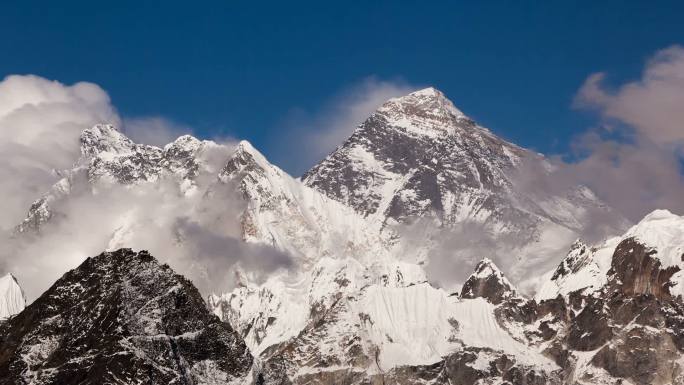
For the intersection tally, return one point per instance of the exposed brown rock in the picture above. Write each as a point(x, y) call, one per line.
point(634, 270)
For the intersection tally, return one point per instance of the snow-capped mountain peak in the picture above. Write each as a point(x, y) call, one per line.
point(246, 156)
point(184, 143)
point(418, 156)
point(104, 138)
point(12, 299)
point(426, 112)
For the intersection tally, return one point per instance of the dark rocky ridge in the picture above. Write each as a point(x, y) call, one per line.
point(120, 317)
point(488, 282)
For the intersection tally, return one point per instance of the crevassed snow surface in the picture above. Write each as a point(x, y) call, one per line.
point(12, 300)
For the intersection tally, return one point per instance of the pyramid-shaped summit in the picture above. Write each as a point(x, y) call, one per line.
point(488, 282)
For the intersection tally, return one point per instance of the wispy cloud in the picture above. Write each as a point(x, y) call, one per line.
point(321, 132)
point(634, 159)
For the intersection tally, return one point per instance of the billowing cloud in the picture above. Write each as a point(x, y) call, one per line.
point(198, 234)
point(634, 161)
point(40, 125)
point(40, 121)
point(322, 132)
point(652, 105)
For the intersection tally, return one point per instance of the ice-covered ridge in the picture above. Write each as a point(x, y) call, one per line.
point(12, 299)
point(584, 268)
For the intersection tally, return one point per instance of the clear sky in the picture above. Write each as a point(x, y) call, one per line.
point(245, 69)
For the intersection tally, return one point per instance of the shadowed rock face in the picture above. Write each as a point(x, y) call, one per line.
point(120, 317)
point(488, 282)
point(635, 270)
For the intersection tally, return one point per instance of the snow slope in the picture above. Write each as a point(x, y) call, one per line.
point(12, 299)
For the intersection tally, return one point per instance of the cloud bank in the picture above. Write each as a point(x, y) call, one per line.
point(40, 121)
point(40, 125)
point(634, 161)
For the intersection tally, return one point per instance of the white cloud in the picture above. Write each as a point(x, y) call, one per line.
point(651, 105)
point(641, 171)
point(40, 122)
point(322, 132)
point(40, 125)
point(198, 235)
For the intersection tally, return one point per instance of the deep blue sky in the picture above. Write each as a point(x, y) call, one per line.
point(241, 68)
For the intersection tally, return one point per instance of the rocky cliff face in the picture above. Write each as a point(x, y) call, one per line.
point(624, 302)
point(121, 317)
point(488, 282)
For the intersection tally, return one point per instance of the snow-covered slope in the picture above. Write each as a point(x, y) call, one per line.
point(290, 216)
point(12, 299)
point(371, 332)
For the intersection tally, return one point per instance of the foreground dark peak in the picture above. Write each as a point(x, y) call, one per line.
point(120, 317)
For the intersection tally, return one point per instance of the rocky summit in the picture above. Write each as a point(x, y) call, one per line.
point(121, 318)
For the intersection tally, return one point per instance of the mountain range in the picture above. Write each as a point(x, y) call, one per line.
point(423, 250)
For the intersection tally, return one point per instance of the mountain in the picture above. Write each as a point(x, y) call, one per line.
point(332, 277)
point(419, 157)
point(625, 325)
point(121, 318)
point(624, 300)
point(273, 209)
point(488, 282)
point(12, 299)
point(108, 158)
point(385, 332)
